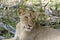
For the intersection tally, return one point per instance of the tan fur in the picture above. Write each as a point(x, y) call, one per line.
point(35, 32)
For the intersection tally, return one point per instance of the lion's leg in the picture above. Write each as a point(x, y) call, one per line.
point(16, 37)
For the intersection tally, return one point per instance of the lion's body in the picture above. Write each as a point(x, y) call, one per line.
point(40, 33)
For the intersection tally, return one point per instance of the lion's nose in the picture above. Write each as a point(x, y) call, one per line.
point(29, 25)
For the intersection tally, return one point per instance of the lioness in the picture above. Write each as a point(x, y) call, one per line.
point(27, 29)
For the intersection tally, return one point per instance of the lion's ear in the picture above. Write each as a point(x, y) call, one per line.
point(21, 12)
point(32, 14)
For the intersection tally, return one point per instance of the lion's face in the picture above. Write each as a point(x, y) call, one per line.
point(27, 19)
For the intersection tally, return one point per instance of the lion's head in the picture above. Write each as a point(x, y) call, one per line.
point(27, 18)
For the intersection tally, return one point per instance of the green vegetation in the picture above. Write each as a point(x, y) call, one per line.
point(8, 18)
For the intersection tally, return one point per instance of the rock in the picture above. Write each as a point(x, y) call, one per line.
point(1, 37)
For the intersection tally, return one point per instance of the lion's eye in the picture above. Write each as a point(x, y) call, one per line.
point(26, 17)
point(24, 26)
point(19, 13)
point(39, 15)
